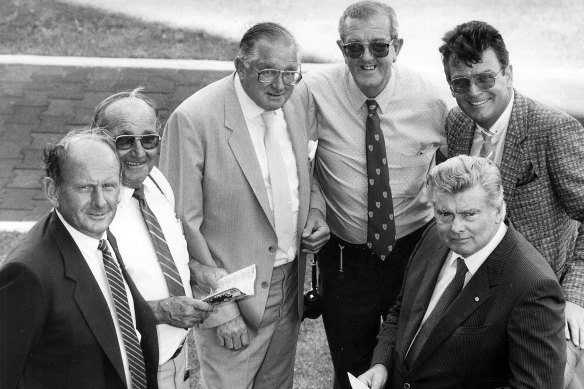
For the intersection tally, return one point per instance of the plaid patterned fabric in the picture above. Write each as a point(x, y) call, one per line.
point(543, 178)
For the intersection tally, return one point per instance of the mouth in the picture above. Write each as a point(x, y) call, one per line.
point(478, 103)
point(134, 164)
point(368, 67)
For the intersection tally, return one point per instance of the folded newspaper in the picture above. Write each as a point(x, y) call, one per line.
point(233, 286)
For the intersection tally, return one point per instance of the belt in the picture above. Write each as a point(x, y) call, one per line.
point(179, 349)
point(351, 246)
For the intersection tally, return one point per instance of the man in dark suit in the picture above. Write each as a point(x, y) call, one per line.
point(540, 152)
point(479, 306)
point(68, 310)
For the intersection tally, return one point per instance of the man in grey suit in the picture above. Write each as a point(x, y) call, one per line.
point(236, 154)
point(479, 306)
point(540, 152)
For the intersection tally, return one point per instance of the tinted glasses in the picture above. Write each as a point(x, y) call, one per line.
point(484, 81)
point(267, 76)
point(148, 141)
point(355, 50)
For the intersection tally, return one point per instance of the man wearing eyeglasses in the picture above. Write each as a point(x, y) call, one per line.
point(379, 126)
point(237, 155)
point(540, 153)
point(149, 235)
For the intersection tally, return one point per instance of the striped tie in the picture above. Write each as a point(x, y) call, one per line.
point(173, 280)
point(118, 291)
point(487, 149)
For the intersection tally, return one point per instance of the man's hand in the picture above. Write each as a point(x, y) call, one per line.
point(206, 275)
point(575, 324)
point(233, 334)
point(180, 311)
point(375, 377)
point(316, 232)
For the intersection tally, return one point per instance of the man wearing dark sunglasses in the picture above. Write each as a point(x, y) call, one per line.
point(243, 207)
point(148, 234)
point(540, 152)
point(368, 101)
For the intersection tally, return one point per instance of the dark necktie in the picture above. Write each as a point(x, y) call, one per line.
point(118, 292)
point(380, 223)
point(171, 274)
point(450, 293)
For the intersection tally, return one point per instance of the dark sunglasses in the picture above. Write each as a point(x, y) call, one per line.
point(355, 50)
point(149, 141)
point(483, 81)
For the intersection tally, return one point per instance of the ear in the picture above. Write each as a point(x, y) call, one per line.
point(239, 67)
point(397, 45)
point(340, 44)
point(509, 75)
point(51, 191)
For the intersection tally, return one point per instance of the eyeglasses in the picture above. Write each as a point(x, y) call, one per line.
point(484, 81)
point(267, 76)
point(355, 50)
point(149, 141)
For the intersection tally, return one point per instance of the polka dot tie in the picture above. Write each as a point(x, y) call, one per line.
point(380, 223)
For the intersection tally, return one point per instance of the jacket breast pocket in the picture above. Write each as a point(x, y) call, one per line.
point(529, 174)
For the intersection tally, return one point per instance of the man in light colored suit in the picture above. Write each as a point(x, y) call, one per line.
point(242, 207)
point(70, 316)
point(479, 306)
point(540, 152)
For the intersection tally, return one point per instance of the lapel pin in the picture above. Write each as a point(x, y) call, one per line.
point(477, 298)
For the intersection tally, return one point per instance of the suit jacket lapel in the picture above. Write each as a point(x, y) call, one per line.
point(474, 294)
point(299, 140)
point(513, 149)
point(88, 295)
point(435, 262)
point(242, 148)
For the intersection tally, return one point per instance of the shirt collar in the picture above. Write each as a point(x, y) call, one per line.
point(501, 124)
point(126, 194)
point(474, 262)
point(84, 242)
point(250, 109)
point(358, 98)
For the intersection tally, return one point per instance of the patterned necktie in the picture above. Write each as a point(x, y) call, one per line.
point(487, 149)
point(281, 201)
point(380, 223)
point(118, 292)
point(171, 274)
point(452, 290)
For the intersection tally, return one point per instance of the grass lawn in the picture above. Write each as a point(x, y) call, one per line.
point(313, 369)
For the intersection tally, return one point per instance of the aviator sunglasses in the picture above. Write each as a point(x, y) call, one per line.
point(148, 141)
point(483, 81)
point(355, 50)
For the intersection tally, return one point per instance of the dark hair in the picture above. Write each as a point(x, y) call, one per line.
point(364, 10)
point(272, 32)
point(467, 43)
point(55, 155)
point(101, 120)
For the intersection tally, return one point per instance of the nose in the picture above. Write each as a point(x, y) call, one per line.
point(98, 198)
point(279, 82)
point(367, 54)
point(137, 148)
point(474, 90)
point(457, 225)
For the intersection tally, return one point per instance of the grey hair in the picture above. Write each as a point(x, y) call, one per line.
point(463, 172)
point(55, 155)
point(101, 120)
point(272, 32)
point(366, 9)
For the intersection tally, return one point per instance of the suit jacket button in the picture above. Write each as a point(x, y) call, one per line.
point(264, 285)
point(406, 386)
point(272, 249)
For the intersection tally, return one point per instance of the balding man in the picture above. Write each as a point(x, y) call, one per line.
point(150, 236)
point(70, 316)
point(236, 155)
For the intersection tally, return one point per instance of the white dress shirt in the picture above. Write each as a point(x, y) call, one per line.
point(93, 256)
point(139, 253)
point(499, 131)
point(257, 130)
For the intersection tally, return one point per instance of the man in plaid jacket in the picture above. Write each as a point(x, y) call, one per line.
point(540, 153)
